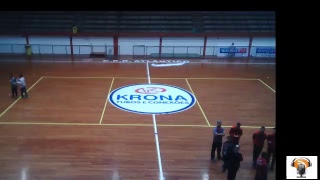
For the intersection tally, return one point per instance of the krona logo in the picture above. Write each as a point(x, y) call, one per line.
point(150, 90)
point(152, 99)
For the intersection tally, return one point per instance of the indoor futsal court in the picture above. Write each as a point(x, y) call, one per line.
point(69, 129)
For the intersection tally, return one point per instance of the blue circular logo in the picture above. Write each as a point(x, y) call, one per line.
point(152, 99)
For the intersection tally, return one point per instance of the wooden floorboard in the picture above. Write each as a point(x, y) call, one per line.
point(62, 100)
point(247, 101)
point(67, 129)
point(77, 152)
point(186, 154)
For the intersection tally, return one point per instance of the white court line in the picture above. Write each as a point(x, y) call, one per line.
point(237, 79)
point(231, 63)
point(77, 77)
point(104, 77)
point(127, 125)
point(266, 85)
point(156, 132)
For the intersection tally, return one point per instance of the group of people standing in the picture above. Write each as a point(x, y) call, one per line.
point(14, 86)
point(228, 151)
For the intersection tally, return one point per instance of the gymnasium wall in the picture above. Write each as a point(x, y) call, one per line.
point(215, 46)
point(126, 44)
point(12, 44)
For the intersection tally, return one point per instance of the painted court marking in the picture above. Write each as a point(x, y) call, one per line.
point(156, 133)
point(200, 61)
point(155, 99)
point(99, 77)
point(8, 108)
point(266, 85)
point(107, 99)
point(204, 78)
point(128, 125)
point(90, 124)
point(204, 115)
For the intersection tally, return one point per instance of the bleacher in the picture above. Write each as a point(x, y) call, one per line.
point(11, 21)
point(239, 21)
point(97, 22)
point(155, 22)
point(136, 21)
point(41, 21)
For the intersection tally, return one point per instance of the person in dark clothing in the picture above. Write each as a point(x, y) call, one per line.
point(14, 86)
point(236, 132)
point(218, 133)
point(272, 148)
point(259, 138)
point(234, 162)
point(226, 149)
point(232, 50)
point(262, 167)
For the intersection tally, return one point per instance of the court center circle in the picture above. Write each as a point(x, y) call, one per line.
point(152, 99)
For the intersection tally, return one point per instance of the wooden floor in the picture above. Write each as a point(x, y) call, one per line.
point(65, 131)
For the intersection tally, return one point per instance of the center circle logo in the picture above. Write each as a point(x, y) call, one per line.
point(152, 99)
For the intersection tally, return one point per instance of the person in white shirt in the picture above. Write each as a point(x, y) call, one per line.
point(23, 89)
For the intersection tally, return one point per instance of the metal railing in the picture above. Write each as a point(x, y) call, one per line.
point(197, 51)
point(46, 49)
point(145, 51)
point(89, 49)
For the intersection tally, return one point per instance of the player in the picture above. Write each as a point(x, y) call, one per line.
point(236, 132)
point(272, 148)
point(227, 147)
point(23, 89)
point(258, 138)
point(235, 157)
point(262, 167)
point(14, 86)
